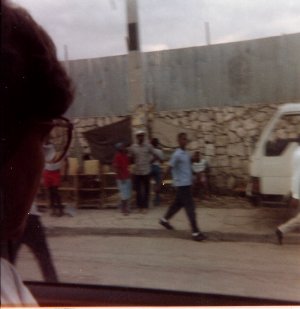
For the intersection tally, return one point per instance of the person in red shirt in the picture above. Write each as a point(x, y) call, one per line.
point(121, 166)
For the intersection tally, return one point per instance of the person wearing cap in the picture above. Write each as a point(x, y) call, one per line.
point(121, 166)
point(142, 154)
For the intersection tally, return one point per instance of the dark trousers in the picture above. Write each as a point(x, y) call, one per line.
point(55, 200)
point(184, 199)
point(156, 175)
point(142, 187)
point(34, 237)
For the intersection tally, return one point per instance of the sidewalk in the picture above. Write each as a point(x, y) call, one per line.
point(223, 219)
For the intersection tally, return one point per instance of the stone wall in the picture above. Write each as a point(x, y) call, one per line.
point(226, 136)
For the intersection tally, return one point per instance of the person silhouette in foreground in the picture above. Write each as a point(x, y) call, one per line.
point(36, 92)
point(34, 237)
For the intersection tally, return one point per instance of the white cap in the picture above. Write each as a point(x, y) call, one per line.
point(138, 132)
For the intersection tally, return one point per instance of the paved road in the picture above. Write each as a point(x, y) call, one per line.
point(245, 269)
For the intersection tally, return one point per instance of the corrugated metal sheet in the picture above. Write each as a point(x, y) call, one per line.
point(249, 72)
point(101, 86)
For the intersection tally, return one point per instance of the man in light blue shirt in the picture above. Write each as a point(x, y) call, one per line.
point(181, 167)
point(181, 171)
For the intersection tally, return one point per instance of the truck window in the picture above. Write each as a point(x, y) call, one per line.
point(285, 131)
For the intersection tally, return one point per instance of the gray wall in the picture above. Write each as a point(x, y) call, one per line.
point(249, 72)
point(101, 86)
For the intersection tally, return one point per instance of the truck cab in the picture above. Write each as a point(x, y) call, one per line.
point(270, 163)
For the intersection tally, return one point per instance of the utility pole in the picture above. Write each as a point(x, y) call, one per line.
point(207, 32)
point(66, 58)
point(135, 76)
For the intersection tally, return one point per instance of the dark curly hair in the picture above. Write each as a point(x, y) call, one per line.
point(34, 84)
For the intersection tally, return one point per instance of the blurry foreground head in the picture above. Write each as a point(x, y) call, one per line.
point(35, 90)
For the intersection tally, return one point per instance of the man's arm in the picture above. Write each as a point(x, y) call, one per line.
point(157, 155)
point(170, 165)
point(160, 156)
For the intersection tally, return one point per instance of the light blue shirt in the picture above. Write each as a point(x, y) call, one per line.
point(180, 163)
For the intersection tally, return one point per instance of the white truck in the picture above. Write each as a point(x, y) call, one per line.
point(270, 164)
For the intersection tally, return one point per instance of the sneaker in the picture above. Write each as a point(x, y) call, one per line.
point(279, 236)
point(198, 236)
point(166, 224)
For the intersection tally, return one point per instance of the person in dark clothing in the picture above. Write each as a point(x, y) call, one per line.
point(141, 154)
point(35, 93)
point(35, 238)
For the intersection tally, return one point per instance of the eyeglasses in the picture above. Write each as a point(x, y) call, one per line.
point(58, 140)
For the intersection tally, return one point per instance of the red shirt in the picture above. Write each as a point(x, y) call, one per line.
point(121, 164)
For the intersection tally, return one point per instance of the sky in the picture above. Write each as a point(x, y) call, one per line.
point(97, 28)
